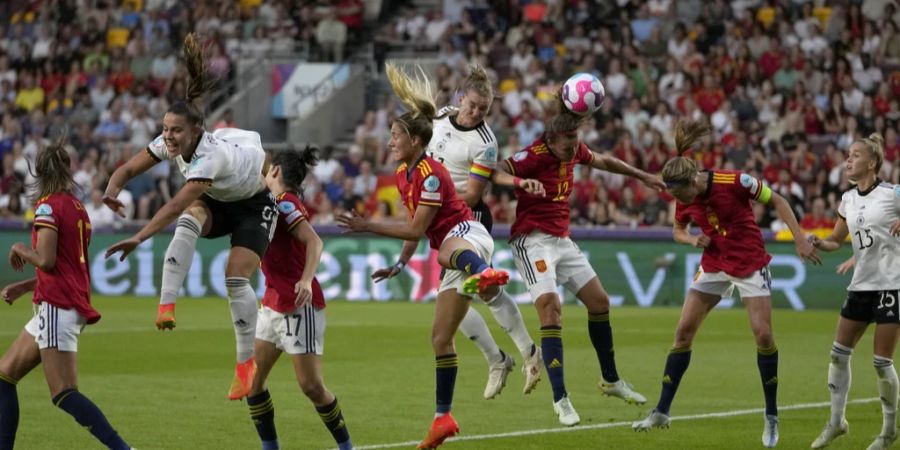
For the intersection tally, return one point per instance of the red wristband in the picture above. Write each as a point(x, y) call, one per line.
point(517, 182)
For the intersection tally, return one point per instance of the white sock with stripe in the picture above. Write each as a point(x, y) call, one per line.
point(887, 390)
point(474, 328)
point(178, 259)
point(507, 313)
point(244, 309)
point(839, 381)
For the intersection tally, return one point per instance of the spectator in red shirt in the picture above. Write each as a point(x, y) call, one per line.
point(772, 59)
point(816, 219)
point(710, 96)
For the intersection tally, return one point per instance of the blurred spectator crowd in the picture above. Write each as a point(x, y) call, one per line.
point(787, 85)
point(105, 71)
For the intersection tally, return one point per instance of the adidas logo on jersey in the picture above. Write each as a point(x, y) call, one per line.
point(171, 260)
point(296, 343)
point(555, 364)
point(890, 314)
point(240, 323)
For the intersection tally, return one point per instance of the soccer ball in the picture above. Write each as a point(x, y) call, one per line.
point(583, 93)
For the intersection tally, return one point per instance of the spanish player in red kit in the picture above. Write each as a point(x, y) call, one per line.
point(464, 246)
point(292, 316)
point(546, 256)
point(719, 202)
point(62, 295)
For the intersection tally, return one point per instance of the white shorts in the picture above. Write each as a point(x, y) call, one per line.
point(299, 332)
point(546, 261)
point(720, 283)
point(477, 235)
point(54, 327)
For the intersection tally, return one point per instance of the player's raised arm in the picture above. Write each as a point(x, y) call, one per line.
point(612, 164)
point(135, 166)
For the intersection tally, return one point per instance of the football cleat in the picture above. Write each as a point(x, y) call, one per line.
point(165, 317)
point(655, 419)
point(497, 374)
point(830, 433)
point(243, 379)
point(566, 412)
point(622, 389)
point(442, 428)
point(770, 431)
point(480, 282)
point(532, 370)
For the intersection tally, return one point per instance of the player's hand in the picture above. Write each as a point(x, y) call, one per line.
point(807, 251)
point(845, 266)
point(126, 247)
point(895, 228)
point(353, 222)
point(385, 273)
point(701, 241)
point(15, 256)
point(654, 182)
point(533, 187)
point(114, 204)
point(12, 292)
point(303, 289)
point(813, 240)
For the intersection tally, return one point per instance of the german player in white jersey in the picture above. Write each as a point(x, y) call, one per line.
point(870, 215)
point(225, 195)
point(466, 146)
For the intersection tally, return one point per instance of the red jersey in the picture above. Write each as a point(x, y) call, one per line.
point(725, 214)
point(429, 183)
point(68, 284)
point(549, 214)
point(285, 258)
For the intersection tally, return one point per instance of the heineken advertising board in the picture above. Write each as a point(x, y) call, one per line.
point(636, 272)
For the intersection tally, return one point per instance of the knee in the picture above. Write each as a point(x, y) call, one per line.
point(684, 336)
point(197, 212)
point(763, 335)
point(314, 390)
point(598, 305)
point(549, 310)
point(442, 342)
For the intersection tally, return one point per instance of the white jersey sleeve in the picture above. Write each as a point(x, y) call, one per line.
point(157, 149)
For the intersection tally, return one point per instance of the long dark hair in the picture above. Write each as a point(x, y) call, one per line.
point(295, 165)
point(199, 82)
point(53, 170)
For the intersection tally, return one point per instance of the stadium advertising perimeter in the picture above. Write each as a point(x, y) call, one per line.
point(635, 272)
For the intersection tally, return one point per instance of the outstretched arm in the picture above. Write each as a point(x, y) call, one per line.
point(135, 166)
point(501, 177)
point(805, 249)
point(833, 242)
point(409, 231)
point(616, 165)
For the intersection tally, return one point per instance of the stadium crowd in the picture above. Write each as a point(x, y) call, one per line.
point(787, 86)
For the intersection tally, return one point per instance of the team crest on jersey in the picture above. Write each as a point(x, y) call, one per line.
point(491, 153)
point(540, 265)
point(286, 207)
point(43, 210)
point(520, 156)
point(432, 184)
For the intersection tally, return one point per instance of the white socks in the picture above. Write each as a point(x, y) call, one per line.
point(242, 301)
point(505, 310)
point(839, 381)
point(474, 328)
point(179, 256)
point(887, 390)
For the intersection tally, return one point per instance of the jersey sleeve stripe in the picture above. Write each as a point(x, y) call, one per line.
point(512, 170)
point(151, 154)
point(296, 222)
point(46, 225)
point(429, 203)
point(201, 180)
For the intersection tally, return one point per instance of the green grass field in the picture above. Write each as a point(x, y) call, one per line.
point(167, 390)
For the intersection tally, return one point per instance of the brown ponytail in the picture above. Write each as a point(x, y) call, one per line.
point(681, 170)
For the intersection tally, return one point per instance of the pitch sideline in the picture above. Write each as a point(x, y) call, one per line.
point(738, 412)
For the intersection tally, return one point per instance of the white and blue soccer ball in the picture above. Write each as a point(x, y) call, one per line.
point(583, 93)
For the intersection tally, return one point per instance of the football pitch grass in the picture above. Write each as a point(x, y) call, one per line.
point(166, 390)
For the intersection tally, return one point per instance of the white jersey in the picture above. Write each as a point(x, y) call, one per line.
point(229, 159)
point(463, 151)
point(869, 216)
